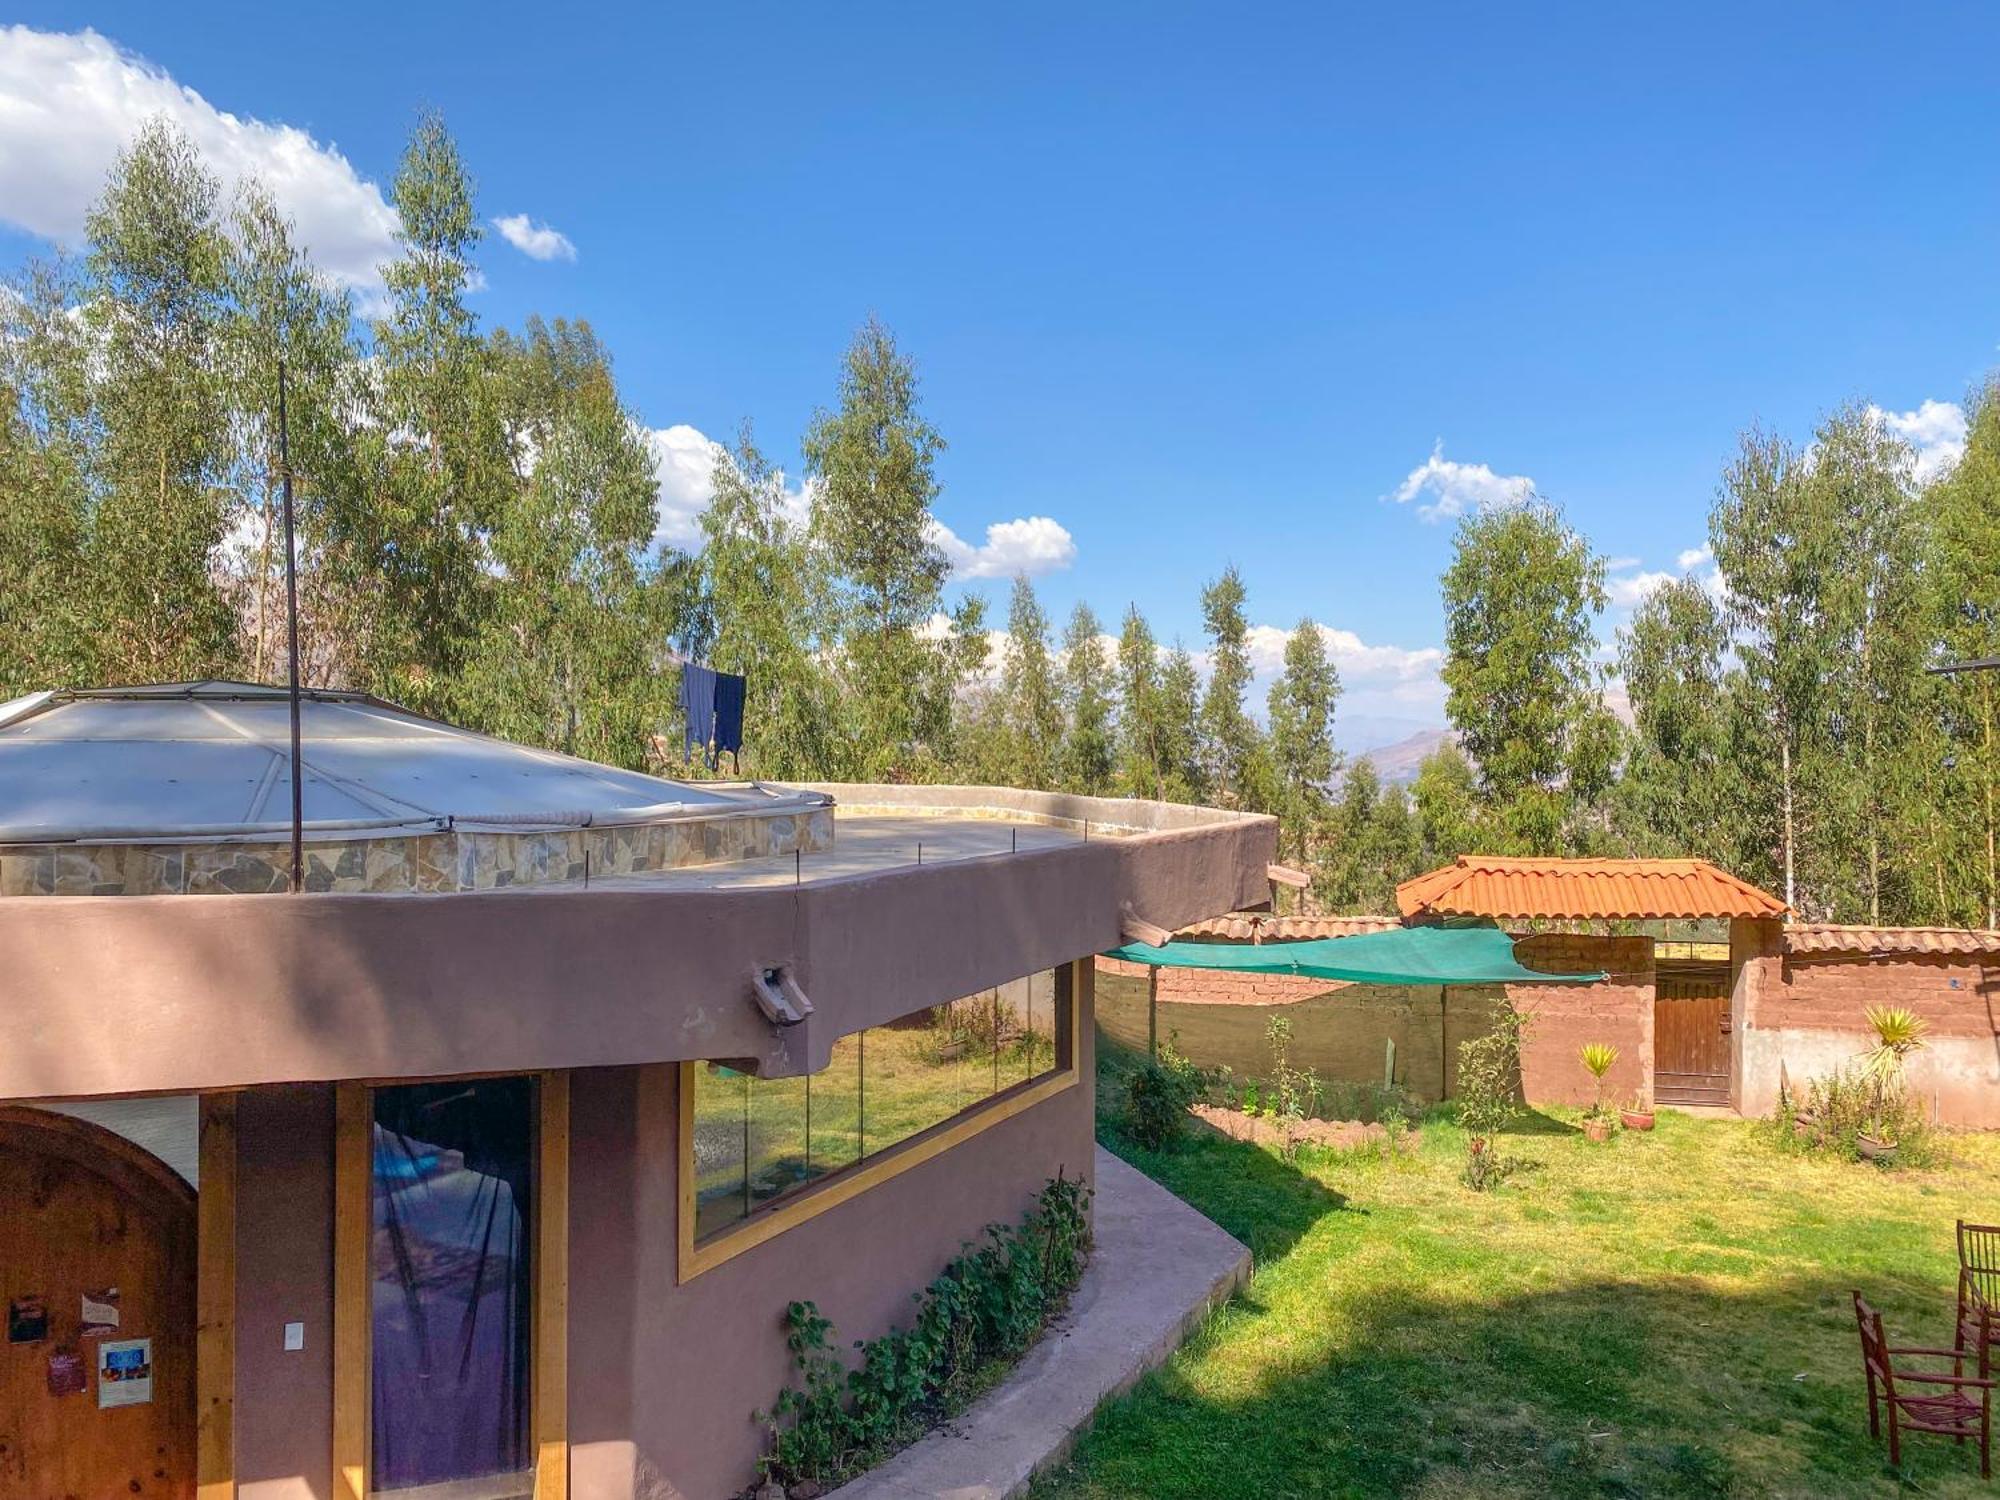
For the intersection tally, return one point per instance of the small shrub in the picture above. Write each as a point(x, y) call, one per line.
point(1838, 1109)
point(1370, 1103)
point(1158, 1097)
point(982, 1311)
point(1489, 1095)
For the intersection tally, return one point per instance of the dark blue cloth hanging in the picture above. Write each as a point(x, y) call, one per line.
point(729, 714)
point(698, 708)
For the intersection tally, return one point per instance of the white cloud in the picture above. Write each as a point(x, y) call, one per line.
point(70, 102)
point(536, 241)
point(1629, 584)
point(684, 462)
point(1033, 545)
point(1935, 432)
point(1374, 679)
point(1630, 590)
point(1455, 488)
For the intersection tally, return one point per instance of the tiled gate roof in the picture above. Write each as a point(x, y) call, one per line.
point(1491, 885)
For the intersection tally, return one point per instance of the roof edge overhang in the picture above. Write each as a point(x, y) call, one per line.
point(218, 992)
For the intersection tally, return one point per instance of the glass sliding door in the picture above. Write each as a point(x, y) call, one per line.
point(452, 1304)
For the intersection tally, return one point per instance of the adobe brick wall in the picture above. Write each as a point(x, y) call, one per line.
point(1802, 1016)
point(1563, 1017)
point(1342, 1031)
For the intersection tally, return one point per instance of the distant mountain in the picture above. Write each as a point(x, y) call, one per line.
point(1362, 734)
point(1397, 764)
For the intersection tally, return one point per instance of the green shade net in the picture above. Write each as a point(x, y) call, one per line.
point(1397, 955)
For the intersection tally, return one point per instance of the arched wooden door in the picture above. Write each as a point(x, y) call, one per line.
point(89, 1409)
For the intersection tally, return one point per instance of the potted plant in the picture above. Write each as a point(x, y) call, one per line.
point(1899, 1031)
point(1597, 1059)
point(1638, 1115)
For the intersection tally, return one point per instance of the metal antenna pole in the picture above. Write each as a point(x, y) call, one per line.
point(292, 641)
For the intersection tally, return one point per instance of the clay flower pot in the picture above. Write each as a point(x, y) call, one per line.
point(1636, 1119)
point(1597, 1129)
point(1873, 1149)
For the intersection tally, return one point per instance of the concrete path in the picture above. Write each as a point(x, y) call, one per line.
point(1158, 1268)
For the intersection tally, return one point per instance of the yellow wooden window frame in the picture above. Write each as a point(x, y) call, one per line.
point(353, 1234)
point(696, 1256)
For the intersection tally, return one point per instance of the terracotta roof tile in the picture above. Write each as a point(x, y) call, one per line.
point(1491, 885)
point(1262, 927)
point(1823, 937)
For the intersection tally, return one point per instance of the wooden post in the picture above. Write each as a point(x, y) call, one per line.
point(1153, 1011)
point(1388, 1062)
point(215, 1301)
point(1444, 1046)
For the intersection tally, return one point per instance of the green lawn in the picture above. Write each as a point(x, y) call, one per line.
point(1664, 1315)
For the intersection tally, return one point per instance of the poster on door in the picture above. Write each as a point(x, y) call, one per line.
point(124, 1372)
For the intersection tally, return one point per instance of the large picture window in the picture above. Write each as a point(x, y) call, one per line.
point(757, 1141)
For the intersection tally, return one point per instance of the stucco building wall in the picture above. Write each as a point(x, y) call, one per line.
point(664, 1376)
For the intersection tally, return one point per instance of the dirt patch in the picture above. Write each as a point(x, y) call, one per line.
point(1337, 1135)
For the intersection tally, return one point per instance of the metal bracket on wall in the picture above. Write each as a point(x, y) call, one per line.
point(779, 997)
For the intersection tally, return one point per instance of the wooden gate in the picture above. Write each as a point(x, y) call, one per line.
point(97, 1272)
point(1691, 1035)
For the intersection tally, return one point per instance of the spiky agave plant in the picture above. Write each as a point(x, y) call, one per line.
point(1899, 1031)
point(1598, 1059)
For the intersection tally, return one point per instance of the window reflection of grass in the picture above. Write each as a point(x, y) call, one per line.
point(777, 1137)
point(882, 1087)
point(719, 1098)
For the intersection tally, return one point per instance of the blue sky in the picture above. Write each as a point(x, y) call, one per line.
point(1195, 284)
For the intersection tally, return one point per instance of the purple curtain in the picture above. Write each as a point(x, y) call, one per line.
point(452, 1285)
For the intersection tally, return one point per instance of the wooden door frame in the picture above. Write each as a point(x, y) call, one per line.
point(1724, 974)
point(353, 1234)
point(215, 1302)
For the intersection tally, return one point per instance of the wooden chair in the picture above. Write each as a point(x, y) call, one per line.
point(1978, 1281)
point(1957, 1405)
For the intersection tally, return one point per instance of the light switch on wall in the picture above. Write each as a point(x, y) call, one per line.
point(295, 1337)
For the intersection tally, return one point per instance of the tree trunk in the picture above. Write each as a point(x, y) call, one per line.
point(1785, 777)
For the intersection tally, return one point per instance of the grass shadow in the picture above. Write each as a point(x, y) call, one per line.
point(1604, 1388)
point(1255, 1194)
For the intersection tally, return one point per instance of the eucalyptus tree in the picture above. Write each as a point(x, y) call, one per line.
point(282, 309)
point(565, 646)
point(1228, 734)
point(1141, 732)
point(1183, 771)
point(1521, 596)
point(1030, 696)
point(1301, 704)
point(1445, 797)
point(762, 589)
point(1820, 547)
point(153, 310)
point(48, 634)
point(1089, 747)
point(872, 460)
point(1776, 550)
point(1675, 792)
point(1964, 570)
point(414, 544)
point(1876, 613)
